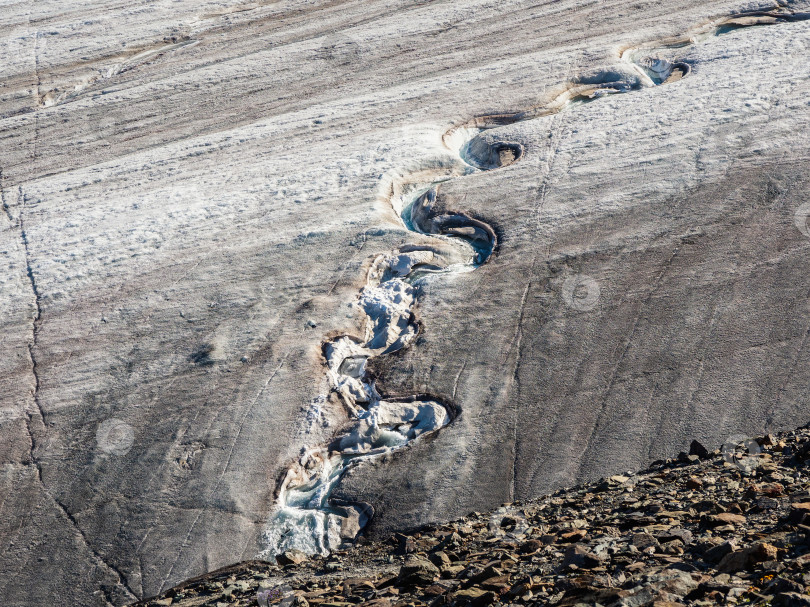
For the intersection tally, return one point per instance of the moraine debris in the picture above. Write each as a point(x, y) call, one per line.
point(710, 530)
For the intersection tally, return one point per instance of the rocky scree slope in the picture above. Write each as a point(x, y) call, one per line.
point(723, 527)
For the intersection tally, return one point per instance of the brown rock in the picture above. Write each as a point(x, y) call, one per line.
point(688, 459)
point(440, 559)
point(521, 588)
point(581, 557)
point(452, 571)
point(291, 557)
point(489, 572)
point(766, 489)
point(451, 541)
point(766, 441)
point(385, 582)
point(589, 595)
point(573, 536)
point(435, 590)
point(417, 572)
point(676, 533)
point(715, 596)
point(475, 597)
point(642, 541)
point(717, 553)
point(499, 583)
point(531, 546)
point(747, 558)
point(724, 518)
point(317, 595)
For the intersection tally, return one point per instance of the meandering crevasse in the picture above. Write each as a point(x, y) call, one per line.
point(305, 517)
point(649, 64)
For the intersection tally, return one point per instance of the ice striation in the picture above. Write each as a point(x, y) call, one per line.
point(305, 518)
